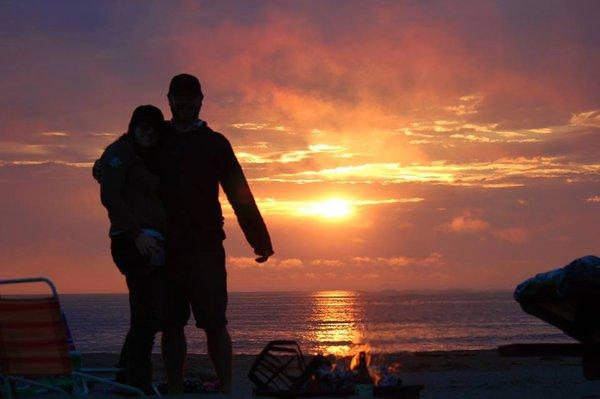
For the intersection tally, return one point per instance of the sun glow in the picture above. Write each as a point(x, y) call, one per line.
point(330, 209)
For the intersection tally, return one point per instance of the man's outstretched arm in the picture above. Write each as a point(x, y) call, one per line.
point(240, 197)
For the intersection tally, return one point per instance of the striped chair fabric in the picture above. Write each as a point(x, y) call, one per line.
point(33, 338)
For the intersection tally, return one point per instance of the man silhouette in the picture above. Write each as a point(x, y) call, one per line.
point(193, 160)
point(196, 160)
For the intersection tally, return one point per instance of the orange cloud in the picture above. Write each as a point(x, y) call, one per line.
point(326, 262)
point(500, 173)
point(465, 223)
point(515, 235)
point(273, 263)
point(589, 118)
point(434, 259)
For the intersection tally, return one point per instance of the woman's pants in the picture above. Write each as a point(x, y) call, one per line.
point(146, 290)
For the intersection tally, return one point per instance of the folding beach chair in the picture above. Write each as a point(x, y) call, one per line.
point(577, 314)
point(34, 348)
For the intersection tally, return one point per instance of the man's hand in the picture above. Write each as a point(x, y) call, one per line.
point(263, 255)
point(97, 170)
point(145, 244)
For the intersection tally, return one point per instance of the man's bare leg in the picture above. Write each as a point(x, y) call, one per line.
point(174, 352)
point(220, 352)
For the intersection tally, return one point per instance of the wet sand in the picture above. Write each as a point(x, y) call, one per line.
point(453, 374)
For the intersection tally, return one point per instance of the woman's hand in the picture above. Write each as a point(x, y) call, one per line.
point(146, 244)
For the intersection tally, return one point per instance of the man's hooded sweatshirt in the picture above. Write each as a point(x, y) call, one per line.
point(195, 163)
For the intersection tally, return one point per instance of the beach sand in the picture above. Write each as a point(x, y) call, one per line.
point(452, 374)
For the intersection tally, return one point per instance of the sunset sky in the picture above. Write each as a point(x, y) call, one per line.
point(389, 144)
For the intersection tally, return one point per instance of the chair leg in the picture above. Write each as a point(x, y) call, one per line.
point(35, 384)
point(80, 387)
point(6, 388)
point(155, 390)
point(129, 388)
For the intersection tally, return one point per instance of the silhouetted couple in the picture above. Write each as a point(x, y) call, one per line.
point(160, 185)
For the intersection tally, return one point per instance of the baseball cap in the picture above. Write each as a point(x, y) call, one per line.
point(185, 84)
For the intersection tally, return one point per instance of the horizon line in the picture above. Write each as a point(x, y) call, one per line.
point(408, 291)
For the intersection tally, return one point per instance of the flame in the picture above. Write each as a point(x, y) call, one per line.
point(391, 369)
point(356, 359)
point(375, 376)
point(395, 368)
point(376, 366)
point(376, 372)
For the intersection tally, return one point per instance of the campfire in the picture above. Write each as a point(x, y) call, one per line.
point(383, 380)
point(281, 367)
point(378, 375)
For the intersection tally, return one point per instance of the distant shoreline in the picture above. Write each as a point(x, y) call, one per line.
point(402, 292)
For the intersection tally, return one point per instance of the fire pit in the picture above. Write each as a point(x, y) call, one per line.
point(383, 382)
point(280, 370)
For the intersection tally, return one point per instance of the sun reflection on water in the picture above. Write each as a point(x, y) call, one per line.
point(336, 323)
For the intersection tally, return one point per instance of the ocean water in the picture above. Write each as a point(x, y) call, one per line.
point(334, 322)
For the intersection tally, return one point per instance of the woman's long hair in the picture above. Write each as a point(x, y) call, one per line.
point(150, 115)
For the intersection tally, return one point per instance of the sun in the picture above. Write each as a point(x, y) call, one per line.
point(329, 209)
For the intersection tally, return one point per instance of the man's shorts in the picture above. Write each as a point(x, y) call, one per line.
point(198, 281)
